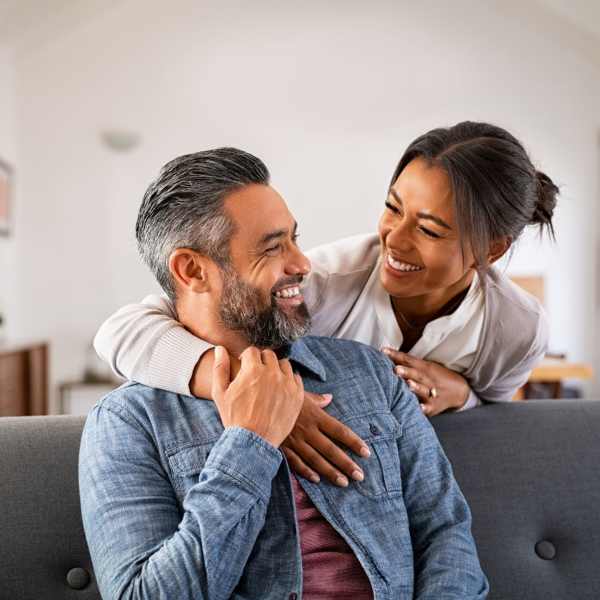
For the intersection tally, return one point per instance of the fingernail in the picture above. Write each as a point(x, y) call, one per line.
point(358, 475)
point(341, 481)
point(401, 371)
point(412, 385)
point(327, 397)
point(386, 350)
point(315, 478)
point(422, 407)
point(365, 452)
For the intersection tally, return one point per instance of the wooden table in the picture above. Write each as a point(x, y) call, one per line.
point(555, 371)
point(23, 379)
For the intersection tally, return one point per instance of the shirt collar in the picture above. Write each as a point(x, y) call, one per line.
point(302, 355)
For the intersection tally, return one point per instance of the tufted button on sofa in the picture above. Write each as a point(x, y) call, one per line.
point(530, 471)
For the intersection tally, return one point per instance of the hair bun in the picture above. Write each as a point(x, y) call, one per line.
point(547, 193)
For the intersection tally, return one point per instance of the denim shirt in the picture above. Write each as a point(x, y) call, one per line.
point(175, 507)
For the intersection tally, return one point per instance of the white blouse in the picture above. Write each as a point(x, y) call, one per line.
point(344, 295)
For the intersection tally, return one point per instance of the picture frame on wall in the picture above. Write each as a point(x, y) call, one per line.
point(6, 176)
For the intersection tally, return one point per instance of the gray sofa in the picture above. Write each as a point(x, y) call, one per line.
point(530, 471)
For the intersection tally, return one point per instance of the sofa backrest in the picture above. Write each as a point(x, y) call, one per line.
point(44, 555)
point(531, 474)
point(530, 471)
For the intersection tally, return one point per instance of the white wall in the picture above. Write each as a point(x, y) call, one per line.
point(8, 153)
point(328, 95)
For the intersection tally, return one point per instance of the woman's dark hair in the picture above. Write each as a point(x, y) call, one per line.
point(497, 190)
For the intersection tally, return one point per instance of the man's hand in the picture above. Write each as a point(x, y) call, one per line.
point(265, 397)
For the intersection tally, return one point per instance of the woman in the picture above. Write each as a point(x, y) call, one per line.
point(423, 289)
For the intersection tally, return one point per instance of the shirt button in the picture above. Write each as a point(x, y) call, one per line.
point(374, 429)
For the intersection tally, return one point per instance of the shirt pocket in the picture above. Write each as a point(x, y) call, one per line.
point(186, 464)
point(380, 431)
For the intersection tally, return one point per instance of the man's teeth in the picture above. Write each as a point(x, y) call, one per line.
point(401, 266)
point(288, 292)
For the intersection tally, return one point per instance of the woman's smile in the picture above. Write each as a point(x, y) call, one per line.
point(400, 267)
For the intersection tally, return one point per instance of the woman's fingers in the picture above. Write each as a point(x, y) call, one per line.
point(422, 391)
point(337, 431)
point(335, 456)
point(321, 400)
point(298, 465)
point(326, 466)
point(410, 373)
point(401, 358)
point(427, 409)
point(317, 433)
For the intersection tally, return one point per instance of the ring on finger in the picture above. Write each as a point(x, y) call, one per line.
point(433, 393)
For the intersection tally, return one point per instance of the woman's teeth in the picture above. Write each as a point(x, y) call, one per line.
point(401, 266)
point(288, 292)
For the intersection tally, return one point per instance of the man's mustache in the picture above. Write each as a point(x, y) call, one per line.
point(287, 281)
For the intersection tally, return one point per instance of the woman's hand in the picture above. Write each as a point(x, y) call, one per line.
point(311, 447)
point(437, 388)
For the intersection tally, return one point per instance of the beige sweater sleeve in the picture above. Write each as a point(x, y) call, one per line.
point(145, 343)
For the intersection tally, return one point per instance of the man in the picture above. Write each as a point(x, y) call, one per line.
point(184, 498)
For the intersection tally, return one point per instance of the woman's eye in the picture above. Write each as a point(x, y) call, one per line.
point(391, 207)
point(295, 238)
point(430, 233)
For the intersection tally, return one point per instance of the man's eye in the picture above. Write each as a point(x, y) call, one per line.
point(273, 250)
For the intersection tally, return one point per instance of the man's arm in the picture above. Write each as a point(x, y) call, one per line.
point(446, 562)
point(142, 545)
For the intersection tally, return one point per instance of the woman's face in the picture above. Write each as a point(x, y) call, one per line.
point(422, 253)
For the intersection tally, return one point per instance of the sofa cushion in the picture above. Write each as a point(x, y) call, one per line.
point(530, 471)
point(531, 474)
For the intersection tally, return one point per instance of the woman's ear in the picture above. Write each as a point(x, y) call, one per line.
point(190, 270)
point(498, 249)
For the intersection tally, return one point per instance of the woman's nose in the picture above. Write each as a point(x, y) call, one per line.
point(399, 236)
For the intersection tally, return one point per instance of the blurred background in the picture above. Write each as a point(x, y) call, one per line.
point(95, 95)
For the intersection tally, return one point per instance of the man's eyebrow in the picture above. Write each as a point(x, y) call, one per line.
point(422, 215)
point(276, 234)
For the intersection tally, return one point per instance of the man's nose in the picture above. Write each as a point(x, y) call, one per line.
point(297, 264)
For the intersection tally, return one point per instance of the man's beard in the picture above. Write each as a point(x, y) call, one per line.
point(243, 309)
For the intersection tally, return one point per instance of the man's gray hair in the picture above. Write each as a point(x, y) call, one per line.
point(183, 207)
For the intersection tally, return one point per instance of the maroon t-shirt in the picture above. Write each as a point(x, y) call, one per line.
point(330, 567)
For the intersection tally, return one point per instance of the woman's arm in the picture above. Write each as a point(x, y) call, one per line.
point(145, 343)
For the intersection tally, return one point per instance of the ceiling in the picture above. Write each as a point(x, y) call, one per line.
point(26, 23)
point(584, 14)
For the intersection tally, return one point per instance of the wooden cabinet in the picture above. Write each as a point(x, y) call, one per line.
point(23, 379)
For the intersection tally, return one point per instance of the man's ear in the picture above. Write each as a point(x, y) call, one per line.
point(190, 270)
point(498, 249)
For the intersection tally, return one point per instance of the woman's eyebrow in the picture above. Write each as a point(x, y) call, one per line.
point(435, 219)
point(397, 198)
point(421, 215)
